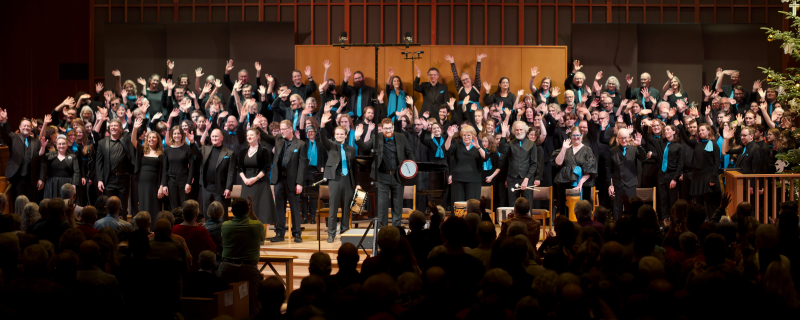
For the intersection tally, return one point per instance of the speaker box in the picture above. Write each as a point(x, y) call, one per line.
point(354, 236)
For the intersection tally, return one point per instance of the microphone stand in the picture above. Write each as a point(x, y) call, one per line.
point(319, 241)
point(413, 56)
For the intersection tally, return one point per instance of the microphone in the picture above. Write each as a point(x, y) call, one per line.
point(405, 52)
point(319, 182)
point(420, 52)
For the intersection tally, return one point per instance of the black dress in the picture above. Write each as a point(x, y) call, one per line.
point(178, 172)
point(260, 192)
point(566, 176)
point(464, 168)
point(149, 180)
point(58, 173)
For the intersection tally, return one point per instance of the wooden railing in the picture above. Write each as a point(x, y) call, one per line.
point(776, 188)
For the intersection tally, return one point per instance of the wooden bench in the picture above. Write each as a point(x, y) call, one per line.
point(267, 260)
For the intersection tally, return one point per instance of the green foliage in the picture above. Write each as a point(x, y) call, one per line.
point(789, 80)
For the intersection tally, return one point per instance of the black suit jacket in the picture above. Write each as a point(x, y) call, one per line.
point(225, 168)
point(322, 154)
point(432, 96)
point(71, 160)
point(16, 144)
point(622, 169)
point(521, 159)
point(751, 162)
point(103, 158)
point(335, 159)
point(367, 95)
point(295, 160)
point(375, 142)
point(637, 94)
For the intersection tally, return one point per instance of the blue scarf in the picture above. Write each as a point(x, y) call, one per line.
point(397, 103)
point(312, 152)
point(579, 172)
point(351, 141)
point(709, 145)
point(727, 158)
point(465, 146)
point(439, 152)
point(74, 147)
point(665, 157)
point(487, 165)
point(344, 160)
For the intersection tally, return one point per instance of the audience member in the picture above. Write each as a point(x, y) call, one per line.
point(112, 219)
point(204, 282)
point(88, 219)
point(197, 237)
point(242, 237)
point(521, 213)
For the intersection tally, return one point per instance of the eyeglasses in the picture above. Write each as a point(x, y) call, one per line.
point(576, 136)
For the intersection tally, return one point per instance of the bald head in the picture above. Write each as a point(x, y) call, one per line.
point(486, 232)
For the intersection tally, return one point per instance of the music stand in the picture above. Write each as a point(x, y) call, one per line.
point(372, 223)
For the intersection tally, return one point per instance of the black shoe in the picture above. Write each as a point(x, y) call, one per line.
point(313, 220)
point(298, 239)
point(330, 238)
point(305, 220)
point(278, 239)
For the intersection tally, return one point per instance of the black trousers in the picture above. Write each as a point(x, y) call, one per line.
point(118, 186)
point(389, 189)
point(618, 192)
point(177, 190)
point(22, 186)
point(341, 194)
point(666, 196)
point(512, 196)
point(210, 195)
point(463, 191)
point(561, 193)
point(710, 201)
point(285, 191)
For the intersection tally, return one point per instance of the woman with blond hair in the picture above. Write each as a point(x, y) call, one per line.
point(673, 91)
point(58, 168)
point(578, 168)
point(466, 157)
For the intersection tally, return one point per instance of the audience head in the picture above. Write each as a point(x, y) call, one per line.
point(215, 211)
point(89, 254)
point(68, 191)
point(521, 206)
point(190, 210)
point(141, 220)
point(207, 260)
point(583, 210)
point(239, 207)
point(320, 264)
point(388, 238)
point(113, 206)
point(35, 261)
point(30, 215)
point(163, 230)
point(472, 219)
point(89, 215)
point(416, 220)
point(454, 231)
point(486, 232)
point(71, 239)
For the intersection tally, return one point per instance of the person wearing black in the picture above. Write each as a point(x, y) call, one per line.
point(704, 185)
point(287, 176)
point(178, 172)
point(578, 169)
point(638, 93)
point(465, 158)
point(314, 168)
point(521, 155)
point(576, 81)
point(670, 157)
point(502, 97)
point(391, 150)
point(621, 169)
point(58, 168)
point(341, 178)
point(22, 169)
point(434, 93)
point(465, 86)
point(730, 90)
point(217, 167)
point(149, 170)
point(750, 159)
point(253, 164)
point(298, 87)
point(360, 95)
point(243, 78)
point(115, 157)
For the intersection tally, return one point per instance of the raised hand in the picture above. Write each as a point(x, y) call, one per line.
point(69, 102)
point(157, 116)
point(426, 114)
point(326, 63)
point(671, 112)
point(262, 90)
point(466, 101)
point(123, 93)
point(534, 71)
point(566, 144)
point(719, 73)
point(416, 69)
point(47, 120)
point(449, 58)
point(451, 103)
point(391, 72)
point(645, 92)
point(739, 119)
point(170, 64)
point(505, 128)
point(706, 91)
point(409, 101)
point(596, 86)
point(520, 92)
point(191, 95)
point(237, 85)
point(326, 117)
point(174, 113)
point(228, 66)
point(598, 76)
point(137, 124)
point(554, 92)
point(669, 75)
point(487, 86)
point(637, 139)
point(576, 66)
point(270, 79)
point(141, 81)
point(381, 95)
point(198, 72)
point(218, 83)
point(359, 128)
point(727, 133)
point(668, 93)
point(3, 115)
point(756, 85)
point(452, 130)
point(629, 79)
point(207, 88)
point(164, 82)
point(594, 103)
point(170, 84)
point(762, 93)
point(308, 71)
point(342, 103)
point(481, 56)
point(762, 106)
